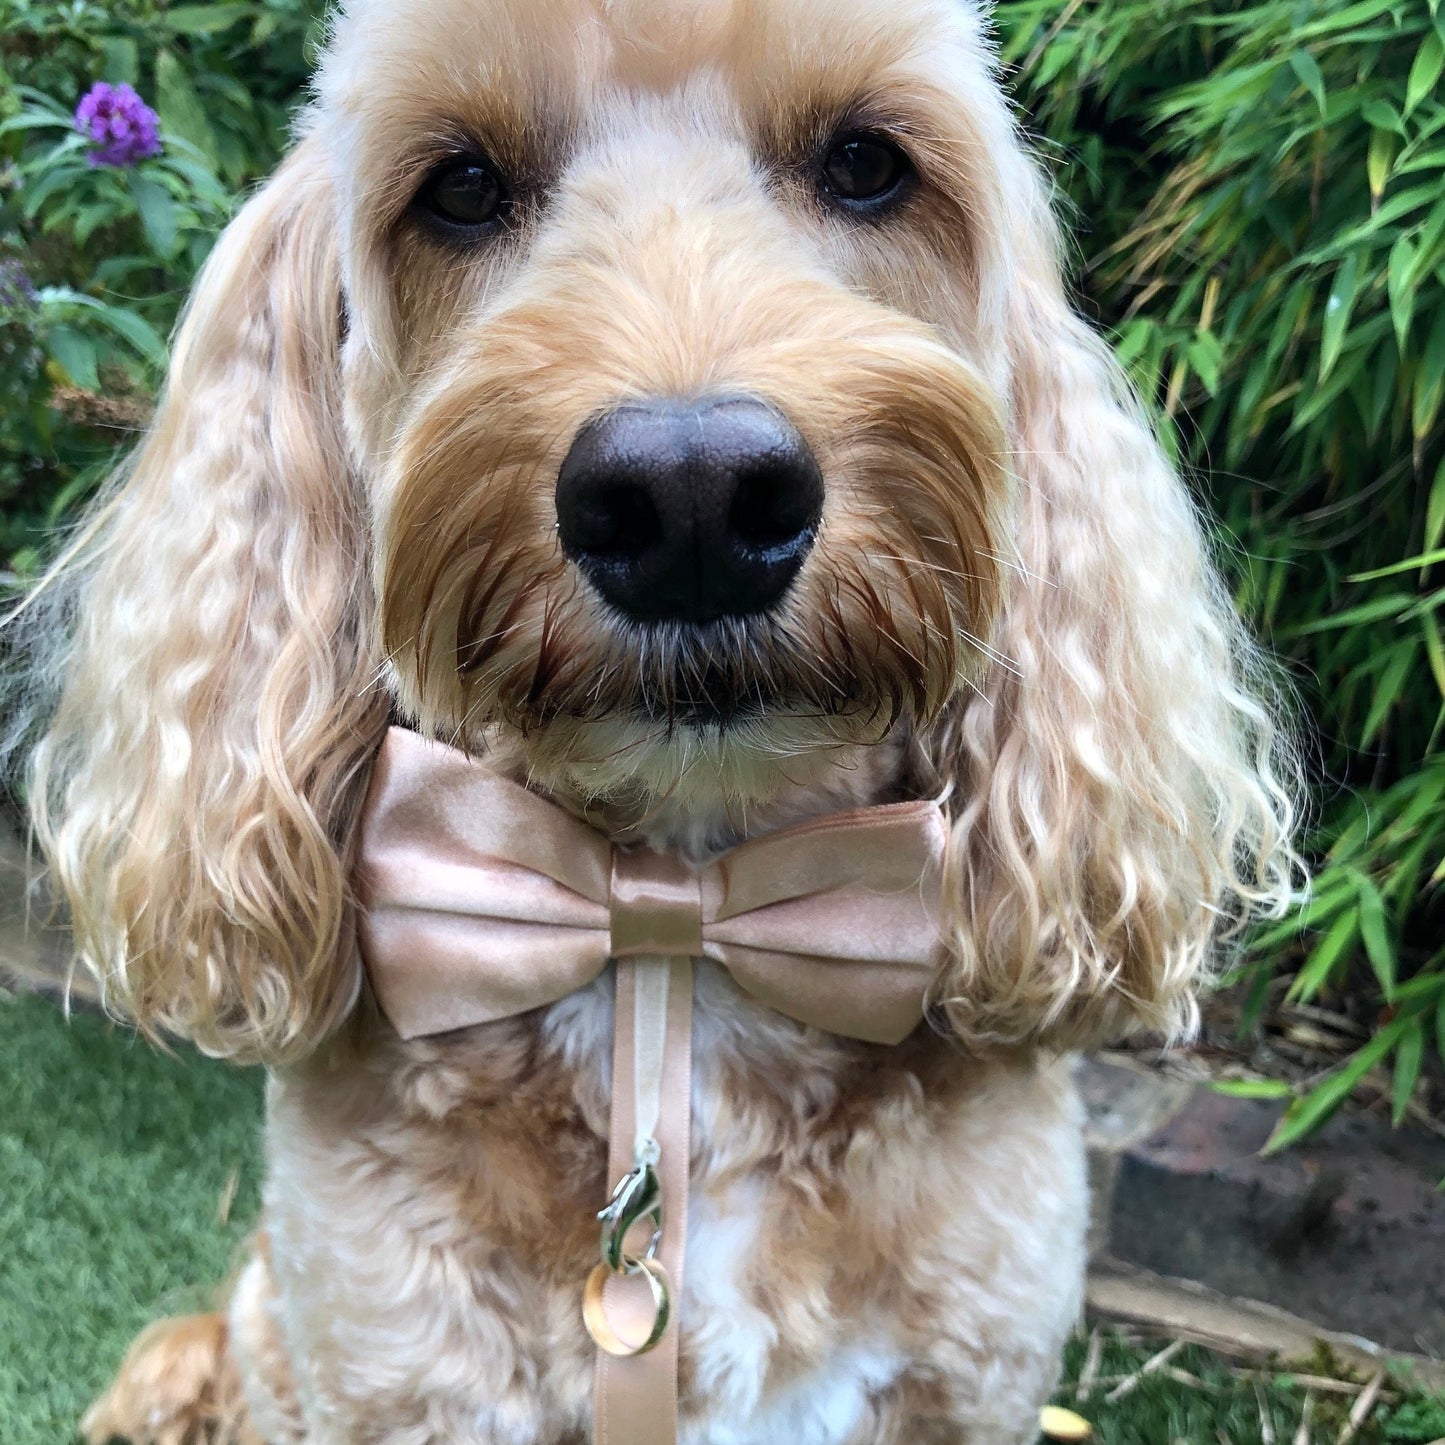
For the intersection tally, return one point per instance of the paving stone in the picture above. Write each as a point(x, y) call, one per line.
point(1346, 1230)
point(1127, 1102)
point(33, 952)
point(1124, 1105)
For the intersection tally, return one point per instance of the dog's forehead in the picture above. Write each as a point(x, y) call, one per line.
point(566, 56)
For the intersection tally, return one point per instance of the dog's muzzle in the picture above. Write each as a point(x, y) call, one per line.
point(689, 511)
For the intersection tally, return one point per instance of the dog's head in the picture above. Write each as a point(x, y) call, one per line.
point(685, 393)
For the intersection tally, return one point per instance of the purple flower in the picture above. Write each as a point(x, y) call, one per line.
point(17, 291)
point(122, 128)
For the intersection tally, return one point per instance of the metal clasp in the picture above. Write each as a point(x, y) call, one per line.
point(638, 1196)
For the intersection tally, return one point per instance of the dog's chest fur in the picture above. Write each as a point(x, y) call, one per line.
point(868, 1227)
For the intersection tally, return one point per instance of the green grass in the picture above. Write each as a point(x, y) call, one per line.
point(1227, 1406)
point(114, 1161)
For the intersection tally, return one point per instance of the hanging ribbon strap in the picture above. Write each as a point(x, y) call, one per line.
point(632, 1296)
point(631, 1314)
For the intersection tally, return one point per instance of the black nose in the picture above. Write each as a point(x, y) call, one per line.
point(689, 511)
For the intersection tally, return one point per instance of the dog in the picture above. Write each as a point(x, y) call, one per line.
point(676, 405)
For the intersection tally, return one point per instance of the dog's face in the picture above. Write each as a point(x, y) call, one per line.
point(683, 431)
point(685, 390)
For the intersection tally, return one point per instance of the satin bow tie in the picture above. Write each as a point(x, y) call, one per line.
point(482, 901)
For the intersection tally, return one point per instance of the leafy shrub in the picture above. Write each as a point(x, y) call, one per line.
point(1261, 188)
point(1267, 186)
point(110, 251)
point(1419, 1421)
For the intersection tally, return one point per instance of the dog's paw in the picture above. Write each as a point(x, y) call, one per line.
point(176, 1386)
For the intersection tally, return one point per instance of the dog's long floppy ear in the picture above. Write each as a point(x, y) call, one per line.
point(195, 786)
point(1117, 799)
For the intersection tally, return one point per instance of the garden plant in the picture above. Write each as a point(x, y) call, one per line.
point(1263, 192)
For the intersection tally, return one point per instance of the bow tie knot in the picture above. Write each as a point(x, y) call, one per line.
point(655, 906)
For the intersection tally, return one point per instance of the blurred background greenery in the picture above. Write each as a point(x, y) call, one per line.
point(1259, 196)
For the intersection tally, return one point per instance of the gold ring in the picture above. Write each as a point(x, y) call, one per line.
point(594, 1315)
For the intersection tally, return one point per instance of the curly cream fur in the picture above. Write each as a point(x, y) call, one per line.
point(194, 788)
point(344, 511)
point(1123, 799)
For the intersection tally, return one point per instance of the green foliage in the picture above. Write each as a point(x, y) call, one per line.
point(1416, 1420)
point(1264, 187)
point(112, 251)
point(1260, 193)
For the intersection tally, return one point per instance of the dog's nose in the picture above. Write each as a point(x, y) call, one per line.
point(689, 511)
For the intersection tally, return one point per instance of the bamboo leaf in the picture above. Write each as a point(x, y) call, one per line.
point(1329, 893)
point(1374, 934)
point(1422, 606)
point(1434, 650)
point(1400, 205)
point(1409, 564)
point(1383, 116)
point(1378, 160)
point(1435, 509)
point(1359, 13)
point(1205, 356)
point(1425, 72)
point(1423, 990)
point(1388, 689)
point(1252, 1088)
point(1430, 379)
point(1400, 287)
point(1326, 956)
point(1306, 1114)
point(1425, 790)
point(1338, 306)
point(1307, 68)
point(1409, 1055)
point(1391, 605)
point(1292, 313)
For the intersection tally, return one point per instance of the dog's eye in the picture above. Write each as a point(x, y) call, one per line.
point(864, 171)
point(464, 194)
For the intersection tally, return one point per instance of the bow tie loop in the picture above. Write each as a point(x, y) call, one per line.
point(654, 906)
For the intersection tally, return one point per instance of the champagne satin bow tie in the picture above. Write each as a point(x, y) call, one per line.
point(482, 901)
